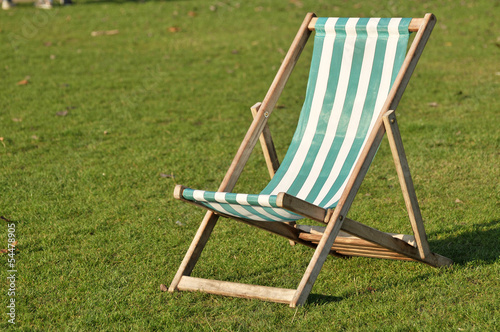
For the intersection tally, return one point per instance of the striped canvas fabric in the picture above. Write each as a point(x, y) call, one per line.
point(354, 63)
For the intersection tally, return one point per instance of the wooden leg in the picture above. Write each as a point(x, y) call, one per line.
point(406, 182)
point(317, 261)
point(194, 251)
point(335, 219)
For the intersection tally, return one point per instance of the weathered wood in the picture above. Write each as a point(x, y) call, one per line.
point(347, 241)
point(349, 238)
point(387, 241)
point(349, 245)
point(318, 259)
point(415, 24)
point(178, 191)
point(391, 256)
point(267, 144)
point(366, 237)
point(406, 182)
point(365, 250)
point(281, 295)
point(301, 207)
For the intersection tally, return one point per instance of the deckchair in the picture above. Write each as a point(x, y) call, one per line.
point(359, 70)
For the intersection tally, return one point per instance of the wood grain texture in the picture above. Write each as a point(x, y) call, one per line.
point(414, 26)
point(280, 295)
point(406, 182)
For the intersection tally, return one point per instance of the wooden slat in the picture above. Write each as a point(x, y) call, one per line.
point(391, 256)
point(354, 241)
point(406, 182)
point(354, 246)
point(415, 24)
point(361, 249)
point(365, 238)
point(267, 144)
point(274, 294)
point(340, 243)
point(392, 243)
point(347, 238)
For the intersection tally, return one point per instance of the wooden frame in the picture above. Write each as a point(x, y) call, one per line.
point(341, 236)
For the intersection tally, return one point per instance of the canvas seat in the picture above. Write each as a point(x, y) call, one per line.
point(359, 70)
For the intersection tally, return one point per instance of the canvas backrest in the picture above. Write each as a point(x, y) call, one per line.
point(354, 64)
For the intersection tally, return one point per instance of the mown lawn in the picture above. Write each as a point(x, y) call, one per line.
point(97, 128)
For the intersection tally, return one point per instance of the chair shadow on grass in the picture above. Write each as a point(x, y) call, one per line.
point(481, 245)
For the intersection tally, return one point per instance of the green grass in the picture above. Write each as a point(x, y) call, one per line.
point(97, 227)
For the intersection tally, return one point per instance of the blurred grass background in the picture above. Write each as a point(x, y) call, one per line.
point(97, 130)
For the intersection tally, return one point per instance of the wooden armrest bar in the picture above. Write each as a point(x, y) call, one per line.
point(301, 207)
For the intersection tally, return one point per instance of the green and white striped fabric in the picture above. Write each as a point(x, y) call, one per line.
point(355, 62)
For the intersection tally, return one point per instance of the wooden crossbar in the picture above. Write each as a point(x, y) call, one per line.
point(227, 288)
point(414, 26)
